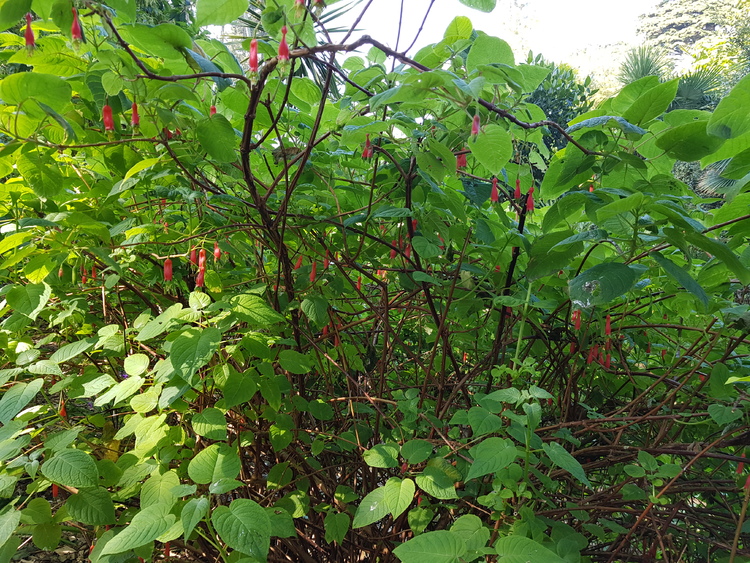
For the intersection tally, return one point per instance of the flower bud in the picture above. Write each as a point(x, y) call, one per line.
point(135, 119)
point(495, 194)
point(168, 269)
point(517, 192)
point(217, 252)
point(368, 150)
point(109, 122)
point(75, 28)
point(253, 60)
point(29, 35)
point(200, 279)
point(530, 200)
point(461, 161)
point(475, 125)
point(193, 256)
point(202, 258)
point(212, 111)
point(283, 46)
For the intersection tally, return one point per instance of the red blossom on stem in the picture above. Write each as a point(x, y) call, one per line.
point(217, 252)
point(202, 258)
point(313, 272)
point(55, 490)
point(517, 193)
point(253, 61)
point(200, 279)
point(212, 111)
point(135, 119)
point(495, 194)
point(109, 121)
point(75, 28)
point(193, 256)
point(168, 269)
point(368, 151)
point(29, 35)
point(530, 200)
point(576, 316)
point(283, 46)
point(299, 262)
point(475, 125)
point(461, 161)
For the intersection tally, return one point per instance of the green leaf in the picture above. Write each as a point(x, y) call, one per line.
point(689, 142)
point(73, 468)
point(372, 508)
point(652, 103)
point(16, 398)
point(569, 167)
point(11, 12)
point(440, 546)
point(92, 506)
point(416, 451)
point(723, 415)
point(722, 252)
point(436, 482)
point(145, 527)
point(238, 388)
point(681, 277)
point(488, 50)
point(218, 12)
point(49, 89)
point(398, 495)
point(46, 536)
point(560, 457)
point(731, 118)
point(155, 327)
point(601, 284)
point(217, 461)
point(192, 513)
point(472, 530)
point(70, 351)
point(41, 172)
point(252, 309)
point(425, 248)
point(460, 28)
point(526, 549)
point(158, 490)
point(315, 309)
point(490, 456)
point(136, 364)
point(29, 299)
point(483, 421)
point(244, 526)
point(481, 5)
point(192, 350)
point(294, 362)
point(9, 520)
point(336, 525)
point(210, 423)
point(216, 136)
point(492, 147)
point(382, 455)
point(609, 121)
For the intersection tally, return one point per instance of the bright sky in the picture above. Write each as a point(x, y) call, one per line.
point(551, 27)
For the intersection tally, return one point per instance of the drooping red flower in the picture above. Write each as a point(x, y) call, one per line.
point(75, 28)
point(217, 251)
point(591, 188)
point(135, 119)
point(495, 194)
point(313, 272)
point(461, 161)
point(200, 279)
point(283, 46)
point(530, 200)
point(202, 258)
point(359, 283)
point(29, 35)
point(109, 121)
point(299, 263)
point(368, 150)
point(193, 256)
point(212, 111)
point(576, 316)
point(475, 124)
point(253, 60)
point(168, 269)
point(55, 490)
point(393, 250)
point(517, 192)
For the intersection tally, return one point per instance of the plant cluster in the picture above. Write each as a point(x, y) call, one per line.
point(242, 320)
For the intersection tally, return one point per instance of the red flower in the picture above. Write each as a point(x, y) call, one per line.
point(193, 256)
point(577, 319)
point(253, 61)
point(202, 258)
point(517, 193)
point(591, 188)
point(55, 490)
point(109, 122)
point(593, 353)
point(327, 260)
point(168, 269)
point(359, 283)
point(495, 194)
point(200, 279)
point(135, 119)
point(75, 28)
point(393, 250)
point(313, 272)
point(212, 111)
point(63, 412)
point(299, 263)
point(461, 161)
point(217, 252)
point(530, 199)
point(283, 46)
point(368, 150)
point(475, 125)
point(741, 465)
point(299, 7)
point(29, 35)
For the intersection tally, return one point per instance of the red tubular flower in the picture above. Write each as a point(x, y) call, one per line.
point(212, 111)
point(63, 412)
point(368, 150)
point(200, 279)
point(327, 260)
point(75, 28)
point(84, 279)
point(55, 491)
point(93, 272)
point(283, 46)
point(359, 283)
point(393, 250)
point(741, 465)
point(29, 35)
point(325, 330)
point(591, 188)
point(135, 119)
point(193, 256)
point(109, 121)
point(217, 252)
point(475, 125)
point(572, 347)
point(253, 61)
point(747, 484)
point(530, 200)
point(168, 269)
point(407, 251)
point(517, 193)
point(313, 272)
point(202, 258)
point(495, 194)
point(607, 361)
point(577, 319)
point(593, 353)
point(461, 161)
point(608, 326)
point(299, 263)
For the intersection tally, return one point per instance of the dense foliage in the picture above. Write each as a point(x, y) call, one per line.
point(245, 321)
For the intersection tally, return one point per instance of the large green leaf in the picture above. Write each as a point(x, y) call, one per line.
point(218, 12)
point(520, 548)
point(372, 508)
point(731, 118)
point(192, 350)
point(217, 461)
point(41, 172)
point(492, 147)
point(481, 5)
point(210, 423)
point(29, 299)
point(46, 88)
point(11, 12)
point(563, 459)
point(336, 525)
point(652, 103)
point(216, 136)
point(147, 525)
point(92, 506)
point(192, 513)
point(689, 142)
point(490, 456)
point(681, 277)
point(398, 495)
point(440, 546)
point(74, 468)
point(252, 309)
point(489, 50)
point(244, 526)
point(17, 397)
point(601, 284)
